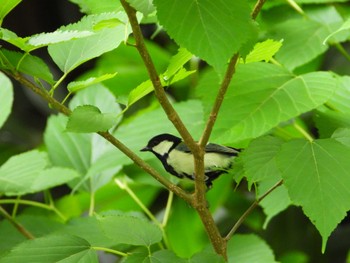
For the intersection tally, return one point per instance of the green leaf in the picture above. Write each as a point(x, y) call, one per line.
point(58, 36)
point(67, 149)
point(343, 27)
point(70, 54)
point(28, 64)
point(102, 6)
point(195, 25)
point(88, 118)
point(249, 248)
point(79, 85)
point(26, 173)
point(68, 249)
point(6, 6)
point(262, 96)
point(263, 51)
point(340, 100)
point(176, 63)
point(144, 6)
point(206, 257)
point(130, 230)
point(163, 256)
point(259, 159)
point(317, 176)
point(342, 135)
point(6, 98)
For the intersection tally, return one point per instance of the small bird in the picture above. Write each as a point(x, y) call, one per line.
point(178, 160)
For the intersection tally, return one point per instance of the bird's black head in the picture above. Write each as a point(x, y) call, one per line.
point(161, 144)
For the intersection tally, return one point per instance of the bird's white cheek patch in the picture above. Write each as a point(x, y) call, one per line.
point(163, 147)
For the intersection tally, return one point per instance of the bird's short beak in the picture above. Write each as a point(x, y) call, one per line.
point(145, 149)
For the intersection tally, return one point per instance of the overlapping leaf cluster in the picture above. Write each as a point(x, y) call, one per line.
point(287, 111)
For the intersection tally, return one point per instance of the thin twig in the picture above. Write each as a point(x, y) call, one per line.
point(154, 77)
point(17, 225)
point(218, 101)
point(250, 209)
point(109, 137)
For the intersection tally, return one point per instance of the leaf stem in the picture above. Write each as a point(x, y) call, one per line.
point(115, 252)
point(250, 209)
point(302, 131)
point(17, 225)
point(167, 209)
point(342, 51)
point(35, 204)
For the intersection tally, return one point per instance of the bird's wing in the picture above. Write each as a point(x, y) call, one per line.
point(212, 147)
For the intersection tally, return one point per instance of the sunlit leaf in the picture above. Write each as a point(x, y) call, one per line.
point(6, 98)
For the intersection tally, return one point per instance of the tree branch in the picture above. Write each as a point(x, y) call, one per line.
point(154, 77)
point(109, 137)
point(250, 209)
point(17, 225)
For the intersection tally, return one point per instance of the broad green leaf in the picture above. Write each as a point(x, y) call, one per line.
point(263, 51)
point(260, 166)
point(305, 36)
point(176, 63)
point(259, 159)
point(6, 6)
point(163, 256)
point(31, 43)
point(212, 30)
point(88, 118)
point(344, 27)
point(317, 176)
point(144, 6)
point(340, 100)
point(67, 149)
point(342, 135)
point(206, 257)
point(276, 202)
point(249, 248)
point(70, 54)
point(319, 1)
point(130, 230)
point(60, 248)
point(27, 173)
point(58, 36)
point(6, 98)
point(79, 85)
point(327, 121)
point(27, 64)
point(262, 96)
point(101, 6)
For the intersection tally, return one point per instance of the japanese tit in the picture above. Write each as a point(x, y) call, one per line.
point(178, 160)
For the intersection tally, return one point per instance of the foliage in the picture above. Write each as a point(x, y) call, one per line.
point(264, 69)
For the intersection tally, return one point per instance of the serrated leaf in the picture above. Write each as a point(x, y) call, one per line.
point(60, 248)
point(206, 257)
point(163, 256)
point(130, 230)
point(240, 247)
point(58, 36)
point(262, 96)
point(340, 100)
point(88, 118)
point(263, 51)
point(28, 64)
point(79, 85)
point(6, 6)
point(6, 98)
point(195, 25)
point(71, 54)
point(15, 40)
point(317, 176)
point(28, 173)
